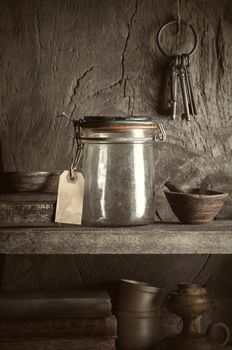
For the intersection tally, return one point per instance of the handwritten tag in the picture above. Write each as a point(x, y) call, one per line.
point(70, 198)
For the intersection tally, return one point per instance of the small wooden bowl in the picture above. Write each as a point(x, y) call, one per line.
point(194, 208)
point(36, 181)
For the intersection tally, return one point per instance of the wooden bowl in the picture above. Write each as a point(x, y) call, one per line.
point(194, 208)
point(36, 181)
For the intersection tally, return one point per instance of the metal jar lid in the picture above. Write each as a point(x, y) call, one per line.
point(114, 129)
point(118, 122)
point(118, 129)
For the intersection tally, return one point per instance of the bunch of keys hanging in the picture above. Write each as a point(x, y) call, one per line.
point(179, 71)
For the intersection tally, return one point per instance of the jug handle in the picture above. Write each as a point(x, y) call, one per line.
point(224, 327)
point(161, 136)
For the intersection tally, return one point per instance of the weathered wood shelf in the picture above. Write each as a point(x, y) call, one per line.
point(160, 238)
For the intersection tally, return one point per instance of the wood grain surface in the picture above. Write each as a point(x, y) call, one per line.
point(160, 238)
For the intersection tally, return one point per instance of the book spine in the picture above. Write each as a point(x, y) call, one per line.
point(48, 308)
point(88, 343)
point(57, 328)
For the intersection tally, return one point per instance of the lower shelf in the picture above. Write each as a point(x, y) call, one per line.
point(160, 238)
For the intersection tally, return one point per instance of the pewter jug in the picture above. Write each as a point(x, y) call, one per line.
point(138, 296)
point(138, 315)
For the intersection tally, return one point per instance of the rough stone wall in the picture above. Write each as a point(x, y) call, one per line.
point(98, 57)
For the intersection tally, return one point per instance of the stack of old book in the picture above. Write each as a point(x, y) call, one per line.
point(57, 320)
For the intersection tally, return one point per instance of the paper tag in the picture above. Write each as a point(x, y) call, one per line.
point(70, 199)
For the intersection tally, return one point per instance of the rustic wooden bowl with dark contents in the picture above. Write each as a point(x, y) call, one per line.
point(34, 181)
point(190, 207)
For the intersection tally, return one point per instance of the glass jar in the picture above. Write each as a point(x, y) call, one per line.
point(118, 167)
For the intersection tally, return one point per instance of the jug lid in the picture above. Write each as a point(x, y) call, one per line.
point(117, 121)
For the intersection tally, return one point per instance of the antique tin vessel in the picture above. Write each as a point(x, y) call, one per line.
point(138, 296)
point(118, 167)
point(189, 302)
point(138, 315)
point(138, 330)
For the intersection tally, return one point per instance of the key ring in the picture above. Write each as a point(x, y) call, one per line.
point(169, 24)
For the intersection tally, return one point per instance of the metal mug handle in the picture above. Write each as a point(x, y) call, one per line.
point(224, 327)
point(161, 136)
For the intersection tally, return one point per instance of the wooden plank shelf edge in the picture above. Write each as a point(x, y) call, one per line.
point(160, 238)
